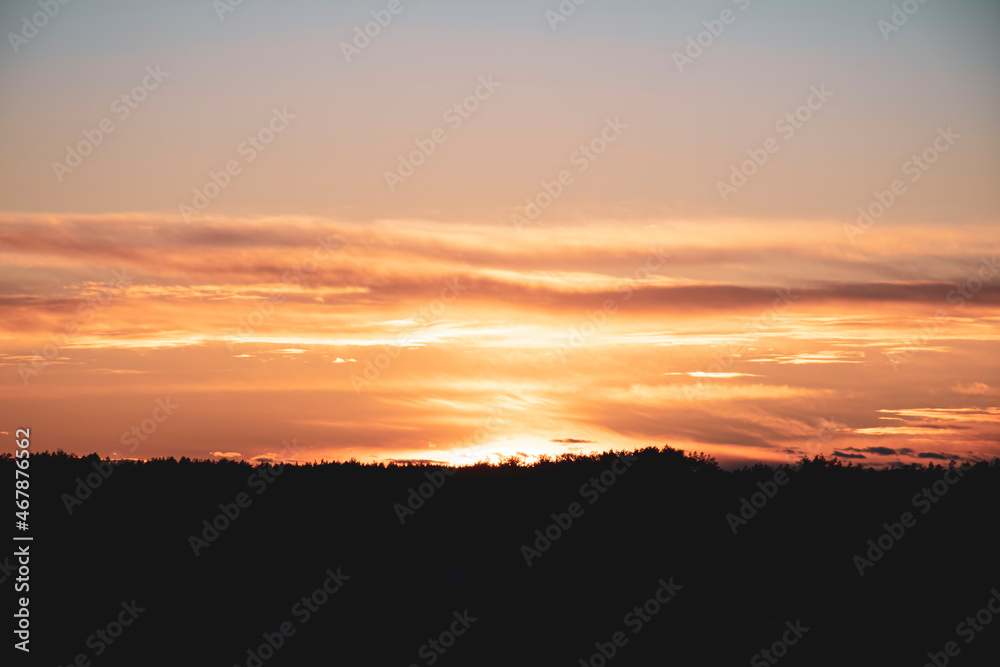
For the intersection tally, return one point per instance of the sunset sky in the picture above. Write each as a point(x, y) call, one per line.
point(751, 228)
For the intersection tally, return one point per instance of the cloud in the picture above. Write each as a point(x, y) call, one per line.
point(704, 374)
point(201, 287)
point(114, 371)
point(989, 414)
point(844, 455)
point(973, 388)
point(921, 429)
point(391, 262)
point(825, 357)
point(881, 451)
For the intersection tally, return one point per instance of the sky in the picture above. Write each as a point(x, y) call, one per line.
point(756, 229)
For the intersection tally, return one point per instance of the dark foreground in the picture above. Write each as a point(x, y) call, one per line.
point(343, 564)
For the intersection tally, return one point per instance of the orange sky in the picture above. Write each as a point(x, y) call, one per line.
point(421, 340)
point(485, 233)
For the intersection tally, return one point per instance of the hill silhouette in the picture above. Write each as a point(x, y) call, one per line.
point(652, 557)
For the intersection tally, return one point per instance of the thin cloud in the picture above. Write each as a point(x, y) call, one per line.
point(973, 388)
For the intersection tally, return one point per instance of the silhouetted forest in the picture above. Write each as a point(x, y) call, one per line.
point(649, 558)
